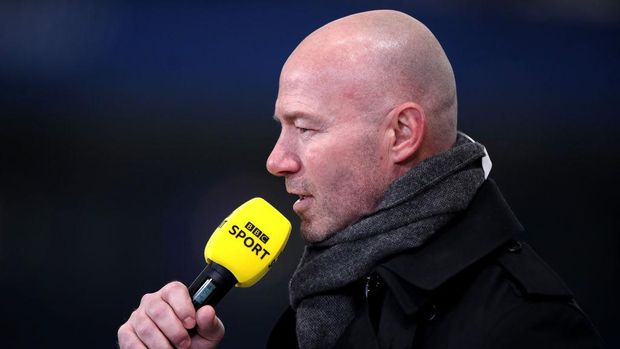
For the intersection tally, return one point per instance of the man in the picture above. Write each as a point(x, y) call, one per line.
point(408, 244)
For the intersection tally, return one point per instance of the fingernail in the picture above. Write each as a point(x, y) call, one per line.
point(188, 322)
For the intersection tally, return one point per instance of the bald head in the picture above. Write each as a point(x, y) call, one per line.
point(377, 60)
point(361, 101)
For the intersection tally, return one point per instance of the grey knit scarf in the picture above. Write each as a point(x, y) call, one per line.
point(412, 209)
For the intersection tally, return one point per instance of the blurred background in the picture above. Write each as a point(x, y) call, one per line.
point(128, 130)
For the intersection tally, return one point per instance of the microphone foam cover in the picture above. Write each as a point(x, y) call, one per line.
point(249, 241)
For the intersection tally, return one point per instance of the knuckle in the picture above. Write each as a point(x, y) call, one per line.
point(123, 333)
point(146, 298)
point(177, 284)
point(143, 329)
point(141, 324)
point(173, 287)
point(156, 311)
point(134, 316)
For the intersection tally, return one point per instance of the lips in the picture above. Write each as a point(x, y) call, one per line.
point(302, 203)
point(303, 197)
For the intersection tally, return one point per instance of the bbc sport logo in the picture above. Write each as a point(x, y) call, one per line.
point(257, 232)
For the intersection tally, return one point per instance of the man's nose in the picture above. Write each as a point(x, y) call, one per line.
point(283, 160)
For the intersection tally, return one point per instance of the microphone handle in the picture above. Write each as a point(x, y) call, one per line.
point(213, 282)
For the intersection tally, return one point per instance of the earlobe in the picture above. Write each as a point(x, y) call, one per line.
point(408, 125)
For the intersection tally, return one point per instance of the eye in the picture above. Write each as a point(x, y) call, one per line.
point(302, 130)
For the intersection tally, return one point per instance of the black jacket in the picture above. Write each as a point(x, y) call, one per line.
point(471, 286)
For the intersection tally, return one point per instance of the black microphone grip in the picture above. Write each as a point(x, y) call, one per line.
point(213, 282)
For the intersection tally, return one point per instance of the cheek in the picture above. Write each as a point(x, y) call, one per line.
point(369, 166)
point(346, 167)
point(327, 167)
point(347, 161)
point(324, 162)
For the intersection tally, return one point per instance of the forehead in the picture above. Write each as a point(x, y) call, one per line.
point(302, 96)
point(306, 91)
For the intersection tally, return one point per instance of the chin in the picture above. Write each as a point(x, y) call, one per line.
point(311, 235)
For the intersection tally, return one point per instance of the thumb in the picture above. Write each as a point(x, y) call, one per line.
point(209, 329)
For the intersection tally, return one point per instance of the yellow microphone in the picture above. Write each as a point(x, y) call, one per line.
point(240, 251)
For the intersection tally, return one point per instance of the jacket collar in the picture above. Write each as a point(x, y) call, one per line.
point(484, 226)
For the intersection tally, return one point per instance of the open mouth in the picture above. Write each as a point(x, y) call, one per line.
point(302, 201)
point(302, 204)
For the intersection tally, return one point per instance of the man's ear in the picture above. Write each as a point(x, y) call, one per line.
point(408, 123)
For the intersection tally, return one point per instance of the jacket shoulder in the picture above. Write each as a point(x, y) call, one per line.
point(532, 276)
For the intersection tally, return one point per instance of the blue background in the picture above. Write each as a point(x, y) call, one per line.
point(128, 131)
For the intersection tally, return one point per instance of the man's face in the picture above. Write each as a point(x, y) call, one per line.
point(332, 156)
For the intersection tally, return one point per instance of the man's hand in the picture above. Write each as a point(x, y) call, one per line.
point(163, 318)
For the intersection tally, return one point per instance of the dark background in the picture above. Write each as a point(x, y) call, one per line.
point(128, 131)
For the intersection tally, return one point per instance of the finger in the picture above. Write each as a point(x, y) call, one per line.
point(147, 331)
point(203, 343)
point(127, 339)
point(177, 296)
point(166, 320)
point(209, 326)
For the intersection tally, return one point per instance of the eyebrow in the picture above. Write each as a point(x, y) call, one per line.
point(294, 116)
